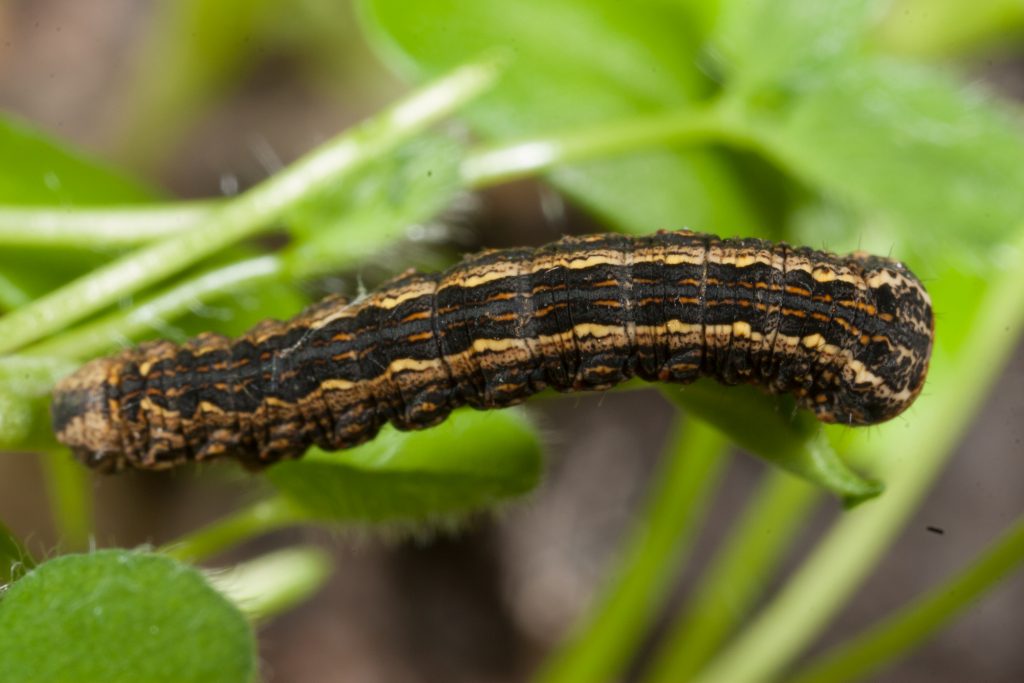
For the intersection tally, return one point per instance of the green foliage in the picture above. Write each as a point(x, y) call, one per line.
point(471, 461)
point(614, 63)
point(773, 429)
point(48, 173)
point(783, 119)
point(117, 615)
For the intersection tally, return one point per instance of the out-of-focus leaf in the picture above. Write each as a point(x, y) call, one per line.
point(939, 162)
point(578, 63)
point(773, 429)
point(44, 172)
point(780, 42)
point(936, 28)
point(930, 159)
point(36, 271)
point(40, 171)
point(117, 615)
point(470, 461)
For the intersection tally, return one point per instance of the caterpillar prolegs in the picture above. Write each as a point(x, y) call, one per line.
point(848, 336)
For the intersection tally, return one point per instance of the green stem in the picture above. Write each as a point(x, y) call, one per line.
point(657, 547)
point(250, 212)
point(135, 225)
point(270, 584)
point(121, 327)
point(908, 627)
point(508, 161)
point(259, 518)
point(130, 225)
point(91, 227)
point(851, 549)
point(736, 576)
point(69, 487)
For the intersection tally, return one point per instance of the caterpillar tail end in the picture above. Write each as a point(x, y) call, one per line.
point(81, 417)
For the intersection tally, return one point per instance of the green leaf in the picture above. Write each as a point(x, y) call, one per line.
point(775, 41)
point(44, 172)
point(118, 615)
point(928, 158)
point(939, 28)
point(578, 63)
point(470, 461)
point(772, 428)
point(938, 161)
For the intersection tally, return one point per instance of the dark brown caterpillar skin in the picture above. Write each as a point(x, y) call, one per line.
point(849, 336)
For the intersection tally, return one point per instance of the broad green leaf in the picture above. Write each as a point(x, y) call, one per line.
point(782, 42)
point(43, 172)
point(928, 158)
point(773, 429)
point(470, 461)
point(118, 615)
point(40, 171)
point(577, 63)
point(938, 161)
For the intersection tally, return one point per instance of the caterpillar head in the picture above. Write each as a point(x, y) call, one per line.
point(889, 361)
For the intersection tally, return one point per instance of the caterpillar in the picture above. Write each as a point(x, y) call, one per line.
point(849, 336)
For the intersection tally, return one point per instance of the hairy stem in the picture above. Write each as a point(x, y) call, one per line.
point(248, 213)
point(260, 518)
point(508, 161)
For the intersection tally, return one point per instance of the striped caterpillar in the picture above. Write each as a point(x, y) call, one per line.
point(849, 337)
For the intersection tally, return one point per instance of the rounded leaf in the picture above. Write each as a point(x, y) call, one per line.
point(119, 615)
point(472, 460)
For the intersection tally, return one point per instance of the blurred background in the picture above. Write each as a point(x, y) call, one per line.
point(487, 601)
